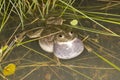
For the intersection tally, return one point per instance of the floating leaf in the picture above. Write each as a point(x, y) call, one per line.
point(9, 69)
point(74, 22)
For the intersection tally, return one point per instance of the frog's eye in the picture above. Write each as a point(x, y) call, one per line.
point(71, 33)
point(61, 36)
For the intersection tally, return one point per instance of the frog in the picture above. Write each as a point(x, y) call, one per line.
point(60, 40)
point(67, 45)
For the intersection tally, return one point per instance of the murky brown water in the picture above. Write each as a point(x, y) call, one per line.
point(35, 64)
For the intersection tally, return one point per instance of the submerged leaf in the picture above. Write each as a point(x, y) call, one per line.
point(9, 69)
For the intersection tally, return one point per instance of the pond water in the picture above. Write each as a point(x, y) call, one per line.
point(35, 64)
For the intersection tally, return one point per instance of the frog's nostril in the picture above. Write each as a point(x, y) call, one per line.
point(60, 35)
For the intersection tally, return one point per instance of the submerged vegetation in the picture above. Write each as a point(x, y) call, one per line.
point(97, 23)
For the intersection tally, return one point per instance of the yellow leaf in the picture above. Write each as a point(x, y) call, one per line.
point(9, 69)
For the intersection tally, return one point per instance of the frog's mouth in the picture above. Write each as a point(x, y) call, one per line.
point(65, 40)
point(68, 42)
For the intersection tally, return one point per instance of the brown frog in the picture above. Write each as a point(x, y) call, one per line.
point(60, 40)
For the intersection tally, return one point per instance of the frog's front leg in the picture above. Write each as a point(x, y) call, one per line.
point(20, 37)
point(57, 60)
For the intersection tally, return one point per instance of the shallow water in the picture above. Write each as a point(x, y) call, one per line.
point(36, 64)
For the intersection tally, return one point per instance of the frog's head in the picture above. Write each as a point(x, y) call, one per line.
point(65, 36)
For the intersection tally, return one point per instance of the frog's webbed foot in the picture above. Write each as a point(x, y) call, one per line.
point(54, 21)
point(35, 34)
